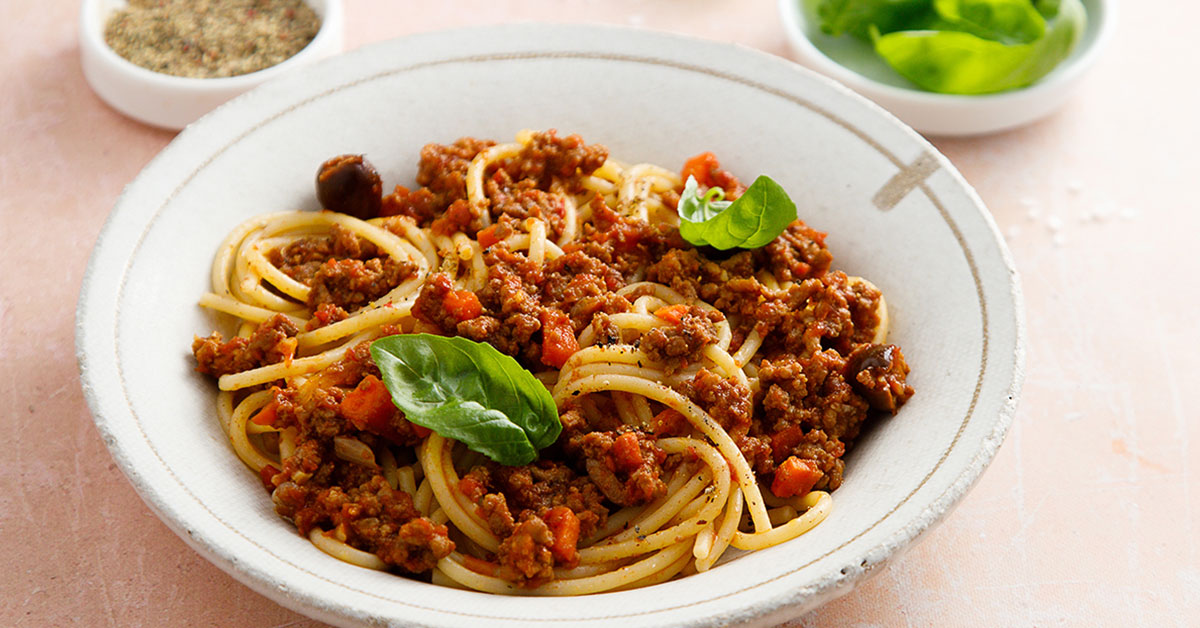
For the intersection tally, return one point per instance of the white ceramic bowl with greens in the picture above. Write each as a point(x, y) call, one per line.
point(855, 63)
point(896, 212)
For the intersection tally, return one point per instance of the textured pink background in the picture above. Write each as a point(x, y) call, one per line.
point(1087, 517)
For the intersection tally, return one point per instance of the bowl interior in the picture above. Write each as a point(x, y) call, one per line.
point(896, 211)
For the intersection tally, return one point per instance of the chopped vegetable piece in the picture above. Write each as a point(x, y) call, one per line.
point(564, 525)
point(463, 305)
point(369, 406)
point(267, 415)
point(672, 313)
point(626, 453)
point(795, 476)
point(558, 338)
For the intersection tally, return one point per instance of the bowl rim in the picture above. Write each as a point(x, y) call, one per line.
point(1065, 73)
point(91, 34)
point(91, 303)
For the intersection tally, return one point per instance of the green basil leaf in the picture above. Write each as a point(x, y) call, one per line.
point(855, 16)
point(758, 216)
point(962, 63)
point(695, 207)
point(470, 392)
point(1005, 21)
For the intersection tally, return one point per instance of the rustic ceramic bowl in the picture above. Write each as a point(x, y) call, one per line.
point(173, 102)
point(855, 64)
point(896, 210)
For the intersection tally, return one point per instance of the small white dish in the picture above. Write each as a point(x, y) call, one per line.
point(855, 64)
point(896, 210)
point(173, 102)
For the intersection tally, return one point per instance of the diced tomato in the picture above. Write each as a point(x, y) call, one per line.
point(795, 476)
point(472, 488)
point(350, 512)
point(369, 406)
point(558, 338)
point(670, 422)
point(709, 174)
point(626, 453)
point(325, 314)
point(267, 415)
point(488, 237)
point(701, 166)
point(266, 474)
point(783, 441)
point(672, 313)
point(463, 305)
point(564, 525)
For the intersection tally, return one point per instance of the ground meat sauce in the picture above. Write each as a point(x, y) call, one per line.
point(819, 373)
point(680, 344)
point(267, 345)
point(341, 270)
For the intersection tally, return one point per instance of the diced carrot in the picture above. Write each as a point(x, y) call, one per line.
point(558, 338)
point(564, 525)
point(488, 237)
point(463, 305)
point(267, 415)
point(795, 476)
point(672, 313)
point(369, 406)
point(701, 166)
point(287, 347)
point(626, 453)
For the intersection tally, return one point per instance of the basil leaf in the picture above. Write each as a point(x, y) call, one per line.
point(758, 216)
point(855, 16)
point(961, 46)
point(1005, 21)
point(962, 63)
point(470, 392)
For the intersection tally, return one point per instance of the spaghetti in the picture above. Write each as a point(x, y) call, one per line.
point(706, 399)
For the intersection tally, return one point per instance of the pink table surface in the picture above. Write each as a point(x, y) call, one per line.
point(1088, 516)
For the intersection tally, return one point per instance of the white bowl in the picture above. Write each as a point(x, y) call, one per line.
point(896, 210)
point(855, 64)
point(173, 102)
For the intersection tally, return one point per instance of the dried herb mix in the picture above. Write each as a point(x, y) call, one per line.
point(210, 38)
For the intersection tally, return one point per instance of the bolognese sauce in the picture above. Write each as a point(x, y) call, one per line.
point(569, 262)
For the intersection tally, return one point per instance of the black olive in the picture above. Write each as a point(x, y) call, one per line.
point(880, 363)
point(870, 357)
point(350, 185)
